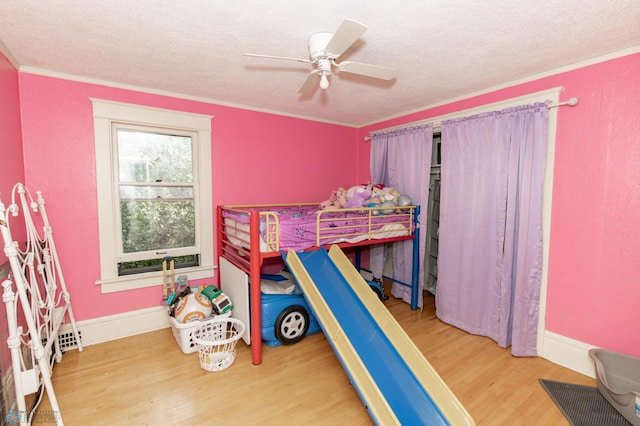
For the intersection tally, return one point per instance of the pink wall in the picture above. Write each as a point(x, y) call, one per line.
point(11, 172)
point(257, 158)
point(594, 265)
point(11, 162)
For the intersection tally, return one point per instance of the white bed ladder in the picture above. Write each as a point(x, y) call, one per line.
point(42, 293)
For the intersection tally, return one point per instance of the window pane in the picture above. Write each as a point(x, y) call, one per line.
point(154, 157)
point(156, 193)
point(157, 225)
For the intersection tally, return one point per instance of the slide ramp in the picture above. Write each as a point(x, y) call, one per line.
point(392, 377)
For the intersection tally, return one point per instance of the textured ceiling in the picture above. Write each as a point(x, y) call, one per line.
point(443, 49)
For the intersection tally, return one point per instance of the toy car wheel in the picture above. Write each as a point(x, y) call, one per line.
point(292, 324)
point(378, 291)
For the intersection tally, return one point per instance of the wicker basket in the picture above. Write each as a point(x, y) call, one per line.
point(216, 341)
point(182, 331)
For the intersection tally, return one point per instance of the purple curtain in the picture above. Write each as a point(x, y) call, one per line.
point(402, 159)
point(490, 240)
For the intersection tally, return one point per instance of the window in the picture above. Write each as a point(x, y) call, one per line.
point(156, 196)
point(153, 171)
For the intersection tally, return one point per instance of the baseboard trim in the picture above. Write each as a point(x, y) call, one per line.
point(118, 326)
point(568, 353)
point(558, 349)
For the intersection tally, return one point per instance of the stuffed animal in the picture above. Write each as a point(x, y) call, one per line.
point(387, 197)
point(341, 193)
point(391, 194)
point(403, 200)
point(336, 200)
point(376, 198)
point(388, 206)
point(357, 196)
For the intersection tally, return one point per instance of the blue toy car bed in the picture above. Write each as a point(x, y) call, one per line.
point(286, 316)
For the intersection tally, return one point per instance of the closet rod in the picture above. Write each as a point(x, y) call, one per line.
point(436, 126)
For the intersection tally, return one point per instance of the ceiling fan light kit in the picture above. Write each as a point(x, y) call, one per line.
point(325, 48)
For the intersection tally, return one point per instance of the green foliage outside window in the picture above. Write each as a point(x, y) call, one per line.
point(150, 265)
point(157, 225)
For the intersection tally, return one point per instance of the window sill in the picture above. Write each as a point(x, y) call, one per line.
point(151, 279)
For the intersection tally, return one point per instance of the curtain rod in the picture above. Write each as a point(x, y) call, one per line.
point(436, 126)
point(571, 102)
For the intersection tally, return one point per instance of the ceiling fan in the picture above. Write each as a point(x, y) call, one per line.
point(325, 48)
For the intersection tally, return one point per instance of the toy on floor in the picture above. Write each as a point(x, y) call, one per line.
point(220, 301)
point(193, 307)
point(286, 315)
point(168, 279)
point(176, 297)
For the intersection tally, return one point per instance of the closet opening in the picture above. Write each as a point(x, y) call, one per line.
point(433, 219)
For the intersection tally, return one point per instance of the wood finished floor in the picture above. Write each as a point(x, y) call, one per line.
point(146, 380)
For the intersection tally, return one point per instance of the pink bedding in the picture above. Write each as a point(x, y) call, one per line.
point(298, 225)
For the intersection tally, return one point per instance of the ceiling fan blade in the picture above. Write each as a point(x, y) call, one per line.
point(306, 61)
point(310, 84)
point(375, 71)
point(347, 34)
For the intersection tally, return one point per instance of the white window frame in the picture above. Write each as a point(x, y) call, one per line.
point(105, 113)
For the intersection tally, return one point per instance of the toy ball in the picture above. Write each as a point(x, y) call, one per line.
point(403, 200)
point(193, 307)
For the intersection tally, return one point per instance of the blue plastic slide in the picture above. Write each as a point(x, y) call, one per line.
point(392, 377)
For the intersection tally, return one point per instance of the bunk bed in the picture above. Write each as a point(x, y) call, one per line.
point(249, 234)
